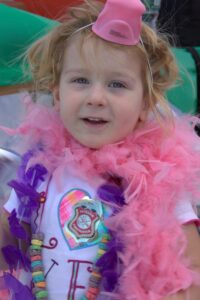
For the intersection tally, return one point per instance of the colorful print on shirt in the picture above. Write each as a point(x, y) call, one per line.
point(80, 219)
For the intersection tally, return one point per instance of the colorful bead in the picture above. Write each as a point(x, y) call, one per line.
point(37, 273)
point(96, 274)
point(105, 237)
point(36, 257)
point(35, 247)
point(36, 289)
point(93, 290)
point(38, 236)
point(94, 282)
point(38, 278)
point(102, 246)
point(41, 294)
point(36, 264)
point(90, 296)
point(34, 252)
point(43, 197)
point(36, 242)
point(101, 252)
point(40, 284)
point(38, 268)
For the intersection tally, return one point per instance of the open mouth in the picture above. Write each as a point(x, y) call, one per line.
point(95, 121)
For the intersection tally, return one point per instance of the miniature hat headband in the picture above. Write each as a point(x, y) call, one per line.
point(120, 21)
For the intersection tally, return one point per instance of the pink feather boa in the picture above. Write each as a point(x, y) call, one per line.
point(157, 168)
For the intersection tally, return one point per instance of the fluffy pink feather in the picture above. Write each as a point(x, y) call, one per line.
point(156, 169)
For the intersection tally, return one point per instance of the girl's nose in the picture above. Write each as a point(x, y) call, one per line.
point(97, 96)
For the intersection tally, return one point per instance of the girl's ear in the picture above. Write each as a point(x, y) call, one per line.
point(56, 98)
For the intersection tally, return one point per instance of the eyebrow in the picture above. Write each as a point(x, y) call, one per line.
point(125, 74)
point(75, 70)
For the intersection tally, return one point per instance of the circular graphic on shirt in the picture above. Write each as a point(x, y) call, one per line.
point(84, 222)
point(80, 218)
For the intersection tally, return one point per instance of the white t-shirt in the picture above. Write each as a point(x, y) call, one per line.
point(72, 224)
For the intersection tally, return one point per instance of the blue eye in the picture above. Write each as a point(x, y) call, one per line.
point(117, 84)
point(81, 80)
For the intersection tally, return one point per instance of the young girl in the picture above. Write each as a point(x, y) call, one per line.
point(109, 183)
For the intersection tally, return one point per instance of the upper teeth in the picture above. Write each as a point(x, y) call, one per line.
point(94, 119)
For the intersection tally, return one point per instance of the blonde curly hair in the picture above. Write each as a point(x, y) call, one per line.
point(45, 57)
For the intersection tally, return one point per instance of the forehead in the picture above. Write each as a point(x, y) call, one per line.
point(93, 52)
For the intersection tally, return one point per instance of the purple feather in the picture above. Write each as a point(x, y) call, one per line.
point(112, 194)
point(114, 243)
point(25, 186)
point(15, 228)
point(35, 174)
point(18, 291)
point(109, 264)
point(14, 258)
point(28, 197)
point(108, 260)
point(110, 257)
point(22, 169)
point(110, 279)
point(23, 189)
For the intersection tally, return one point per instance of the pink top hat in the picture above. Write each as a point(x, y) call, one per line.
point(120, 21)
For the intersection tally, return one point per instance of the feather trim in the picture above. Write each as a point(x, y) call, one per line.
point(155, 169)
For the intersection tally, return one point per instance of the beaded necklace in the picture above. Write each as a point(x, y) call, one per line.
point(39, 289)
point(37, 269)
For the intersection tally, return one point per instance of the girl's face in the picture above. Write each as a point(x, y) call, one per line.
point(100, 95)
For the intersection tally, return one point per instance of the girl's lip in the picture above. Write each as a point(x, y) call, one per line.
point(94, 122)
point(94, 119)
